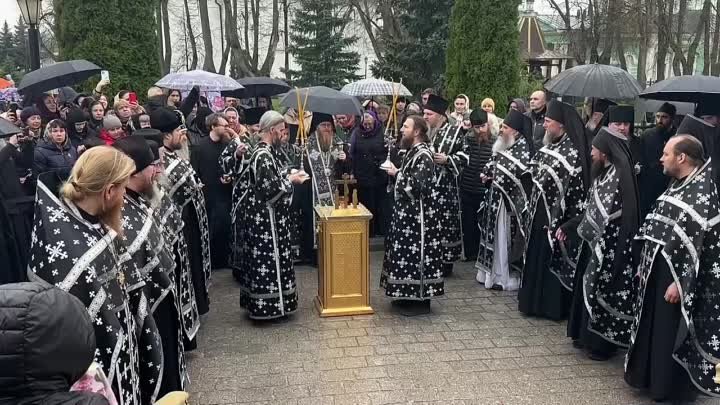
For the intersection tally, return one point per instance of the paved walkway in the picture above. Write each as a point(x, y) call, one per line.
point(475, 348)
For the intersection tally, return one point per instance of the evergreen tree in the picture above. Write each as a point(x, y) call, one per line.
point(418, 56)
point(320, 47)
point(483, 53)
point(119, 36)
point(7, 49)
point(21, 55)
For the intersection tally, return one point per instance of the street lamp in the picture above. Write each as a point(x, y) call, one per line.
point(30, 10)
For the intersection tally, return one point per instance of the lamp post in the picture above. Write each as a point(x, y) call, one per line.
point(30, 10)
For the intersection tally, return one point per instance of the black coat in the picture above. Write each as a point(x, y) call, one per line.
point(47, 342)
point(480, 154)
point(367, 156)
point(538, 119)
point(50, 157)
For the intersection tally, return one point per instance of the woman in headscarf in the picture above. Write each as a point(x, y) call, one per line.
point(368, 153)
point(518, 105)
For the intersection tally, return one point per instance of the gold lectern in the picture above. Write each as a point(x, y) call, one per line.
point(343, 259)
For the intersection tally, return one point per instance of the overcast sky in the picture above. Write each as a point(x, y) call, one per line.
point(10, 13)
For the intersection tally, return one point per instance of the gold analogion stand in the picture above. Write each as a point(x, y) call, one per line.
point(343, 257)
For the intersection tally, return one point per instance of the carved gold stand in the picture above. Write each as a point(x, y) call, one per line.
point(343, 259)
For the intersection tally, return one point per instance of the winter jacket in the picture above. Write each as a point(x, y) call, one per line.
point(77, 138)
point(47, 343)
point(368, 154)
point(538, 120)
point(50, 157)
point(480, 155)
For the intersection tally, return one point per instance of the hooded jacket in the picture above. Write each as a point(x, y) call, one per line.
point(77, 138)
point(47, 342)
point(50, 157)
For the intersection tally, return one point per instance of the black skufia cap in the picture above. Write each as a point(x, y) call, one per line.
point(436, 104)
point(150, 134)
point(137, 148)
point(621, 113)
point(478, 117)
point(601, 105)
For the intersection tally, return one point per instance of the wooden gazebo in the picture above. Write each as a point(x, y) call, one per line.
point(540, 60)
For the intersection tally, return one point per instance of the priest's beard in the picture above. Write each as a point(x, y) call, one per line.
point(432, 132)
point(501, 144)
point(154, 196)
point(406, 142)
point(325, 141)
point(183, 151)
point(597, 169)
point(111, 216)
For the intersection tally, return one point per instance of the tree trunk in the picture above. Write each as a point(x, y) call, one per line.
point(160, 53)
point(191, 35)
point(274, 39)
point(706, 47)
point(644, 43)
point(664, 28)
point(208, 62)
point(689, 61)
point(256, 31)
point(238, 55)
point(715, 67)
point(166, 37)
point(246, 25)
point(225, 49)
point(620, 49)
point(369, 26)
point(286, 36)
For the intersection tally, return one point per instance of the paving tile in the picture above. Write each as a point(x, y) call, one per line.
point(474, 348)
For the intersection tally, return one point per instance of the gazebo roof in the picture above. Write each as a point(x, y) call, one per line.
point(532, 39)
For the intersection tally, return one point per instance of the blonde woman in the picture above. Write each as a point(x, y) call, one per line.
point(488, 105)
point(76, 245)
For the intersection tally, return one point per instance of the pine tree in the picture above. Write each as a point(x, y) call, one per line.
point(320, 47)
point(120, 38)
point(7, 49)
point(21, 56)
point(483, 53)
point(418, 56)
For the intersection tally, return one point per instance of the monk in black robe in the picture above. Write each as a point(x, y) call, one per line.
point(674, 338)
point(561, 176)
point(601, 312)
point(652, 178)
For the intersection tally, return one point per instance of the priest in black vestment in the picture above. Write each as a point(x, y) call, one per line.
point(151, 255)
point(412, 267)
point(674, 340)
point(76, 246)
point(449, 148)
point(651, 176)
point(561, 177)
point(217, 188)
point(601, 312)
point(185, 188)
point(267, 277)
point(621, 119)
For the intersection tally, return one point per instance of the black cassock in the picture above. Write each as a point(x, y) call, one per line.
point(155, 304)
point(557, 195)
point(680, 242)
point(169, 217)
point(218, 197)
point(186, 191)
point(288, 157)
point(603, 296)
point(75, 252)
point(450, 140)
point(236, 170)
point(507, 204)
point(267, 277)
point(412, 267)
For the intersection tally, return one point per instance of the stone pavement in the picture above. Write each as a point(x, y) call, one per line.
point(475, 348)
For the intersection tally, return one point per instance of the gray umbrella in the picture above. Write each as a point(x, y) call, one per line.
point(57, 75)
point(595, 80)
point(8, 129)
point(691, 89)
point(323, 100)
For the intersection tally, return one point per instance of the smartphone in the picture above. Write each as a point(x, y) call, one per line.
point(105, 75)
point(132, 97)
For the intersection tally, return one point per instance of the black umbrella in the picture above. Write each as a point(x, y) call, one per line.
point(8, 129)
point(258, 87)
point(691, 89)
point(323, 100)
point(57, 75)
point(595, 80)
